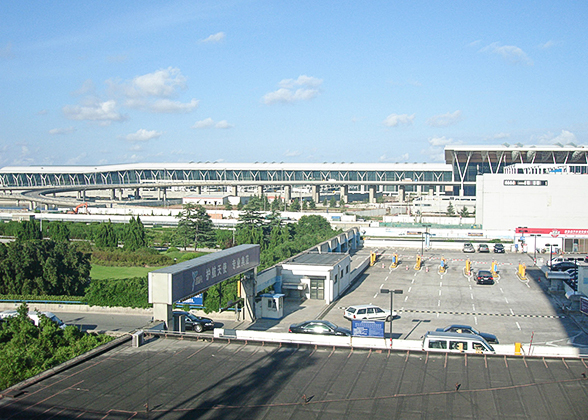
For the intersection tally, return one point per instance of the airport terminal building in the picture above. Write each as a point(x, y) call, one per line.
point(512, 185)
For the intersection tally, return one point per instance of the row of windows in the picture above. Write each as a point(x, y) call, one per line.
point(152, 176)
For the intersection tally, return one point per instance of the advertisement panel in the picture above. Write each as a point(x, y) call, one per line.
point(365, 328)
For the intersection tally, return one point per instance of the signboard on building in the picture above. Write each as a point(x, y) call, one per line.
point(192, 277)
point(365, 328)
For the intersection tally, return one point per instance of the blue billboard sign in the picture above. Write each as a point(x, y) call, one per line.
point(365, 328)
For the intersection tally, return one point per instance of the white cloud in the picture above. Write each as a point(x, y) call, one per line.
point(293, 90)
point(394, 120)
point(565, 137)
point(66, 130)
point(168, 107)
point(440, 141)
point(98, 111)
point(214, 38)
point(500, 136)
point(444, 120)
point(209, 123)
point(292, 153)
point(510, 53)
point(302, 80)
point(223, 124)
point(161, 83)
point(76, 160)
point(548, 45)
point(436, 151)
point(143, 135)
point(402, 158)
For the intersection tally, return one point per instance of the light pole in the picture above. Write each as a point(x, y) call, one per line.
point(392, 292)
point(550, 263)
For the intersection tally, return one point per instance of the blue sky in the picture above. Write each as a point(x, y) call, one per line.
point(106, 82)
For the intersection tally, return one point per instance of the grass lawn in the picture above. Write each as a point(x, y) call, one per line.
point(101, 272)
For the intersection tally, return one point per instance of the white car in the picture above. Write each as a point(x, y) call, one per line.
point(35, 316)
point(367, 312)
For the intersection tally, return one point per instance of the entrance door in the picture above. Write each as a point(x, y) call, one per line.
point(317, 288)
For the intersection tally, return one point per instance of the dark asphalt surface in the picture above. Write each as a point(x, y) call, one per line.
point(185, 379)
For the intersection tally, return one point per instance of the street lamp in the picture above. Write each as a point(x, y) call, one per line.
point(392, 293)
point(550, 262)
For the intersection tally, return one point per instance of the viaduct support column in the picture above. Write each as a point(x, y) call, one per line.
point(162, 193)
point(372, 194)
point(287, 193)
point(198, 190)
point(137, 193)
point(113, 194)
point(232, 190)
point(315, 192)
point(248, 294)
point(260, 190)
point(401, 194)
point(344, 194)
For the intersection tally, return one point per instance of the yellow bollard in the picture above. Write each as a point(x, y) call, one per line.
point(417, 266)
point(468, 267)
point(518, 349)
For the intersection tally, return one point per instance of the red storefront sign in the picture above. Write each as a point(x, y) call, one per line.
point(552, 232)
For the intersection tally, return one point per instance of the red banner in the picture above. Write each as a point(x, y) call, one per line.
point(554, 232)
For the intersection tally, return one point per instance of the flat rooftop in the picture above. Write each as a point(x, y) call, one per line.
point(183, 379)
point(314, 258)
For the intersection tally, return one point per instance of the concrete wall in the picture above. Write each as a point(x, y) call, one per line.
point(560, 204)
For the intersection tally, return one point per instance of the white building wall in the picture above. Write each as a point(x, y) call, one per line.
point(561, 203)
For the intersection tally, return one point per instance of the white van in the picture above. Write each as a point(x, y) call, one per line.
point(449, 342)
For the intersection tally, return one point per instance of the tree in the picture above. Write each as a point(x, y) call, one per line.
point(59, 232)
point(276, 204)
point(29, 230)
point(195, 226)
point(464, 212)
point(295, 206)
point(342, 202)
point(450, 210)
point(304, 205)
point(311, 204)
point(105, 236)
point(333, 202)
point(134, 236)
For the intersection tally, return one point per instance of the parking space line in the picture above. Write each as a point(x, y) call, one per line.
point(502, 291)
point(473, 307)
point(476, 320)
point(518, 326)
point(409, 289)
point(405, 298)
point(472, 295)
point(375, 295)
point(511, 311)
point(439, 292)
point(438, 304)
point(440, 284)
point(506, 299)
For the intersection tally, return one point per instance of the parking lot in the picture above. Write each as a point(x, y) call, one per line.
point(513, 310)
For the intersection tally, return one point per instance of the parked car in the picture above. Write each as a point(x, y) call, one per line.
point(458, 328)
point(319, 326)
point(483, 248)
point(484, 277)
point(193, 322)
point(563, 266)
point(498, 248)
point(468, 247)
point(367, 312)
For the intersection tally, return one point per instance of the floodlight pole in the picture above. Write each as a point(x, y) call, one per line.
point(392, 292)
